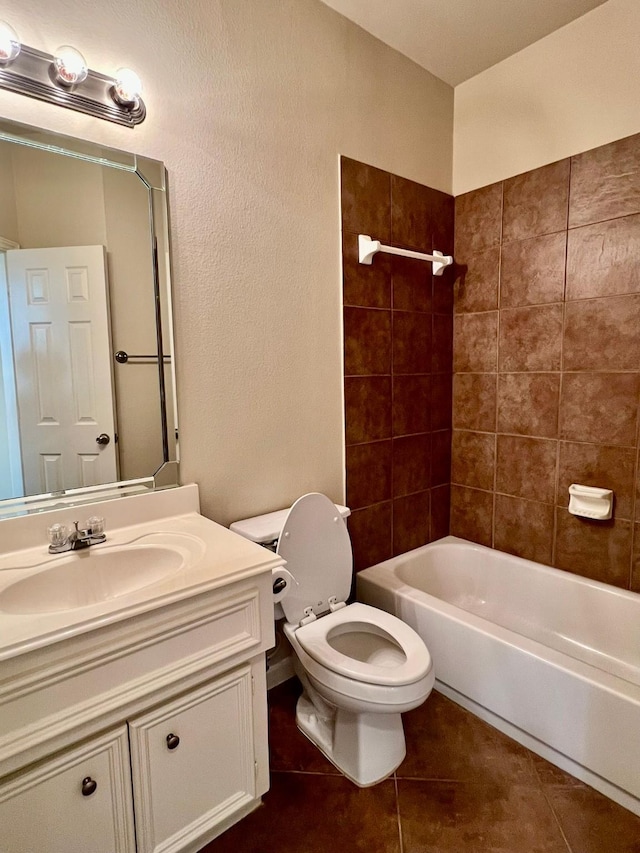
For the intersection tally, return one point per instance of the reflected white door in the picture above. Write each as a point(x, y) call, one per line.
point(10, 454)
point(62, 355)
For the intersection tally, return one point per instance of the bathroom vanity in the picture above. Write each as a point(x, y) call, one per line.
point(133, 712)
point(132, 691)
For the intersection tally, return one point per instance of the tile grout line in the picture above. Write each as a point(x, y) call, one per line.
point(556, 818)
point(534, 438)
point(625, 294)
point(635, 528)
point(392, 483)
point(398, 818)
point(335, 775)
point(635, 502)
point(392, 499)
point(497, 406)
point(543, 791)
point(605, 372)
point(556, 495)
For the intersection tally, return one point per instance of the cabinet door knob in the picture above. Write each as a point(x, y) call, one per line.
point(172, 741)
point(89, 785)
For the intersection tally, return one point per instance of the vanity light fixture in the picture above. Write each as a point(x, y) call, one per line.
point(66, 80)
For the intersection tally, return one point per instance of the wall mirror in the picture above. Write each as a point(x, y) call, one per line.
point(87, 383)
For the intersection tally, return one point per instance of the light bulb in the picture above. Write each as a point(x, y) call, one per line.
point(70, 65)
point(9, 43)
point(127, 87)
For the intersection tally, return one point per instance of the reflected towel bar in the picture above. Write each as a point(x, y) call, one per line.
point(123, 357)
point(367, 248)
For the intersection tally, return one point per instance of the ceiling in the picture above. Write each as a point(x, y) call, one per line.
point(457, 39)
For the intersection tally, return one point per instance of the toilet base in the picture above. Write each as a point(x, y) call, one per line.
point(366, 748)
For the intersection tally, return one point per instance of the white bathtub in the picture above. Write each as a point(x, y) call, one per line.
point(550, 658)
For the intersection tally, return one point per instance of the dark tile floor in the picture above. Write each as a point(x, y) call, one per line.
point(463, 788)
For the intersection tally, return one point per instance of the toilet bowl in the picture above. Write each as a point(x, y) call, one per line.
point(357, 682)
point(364, 658)
point(360, 667)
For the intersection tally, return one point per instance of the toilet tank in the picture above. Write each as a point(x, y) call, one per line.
point(265, 529)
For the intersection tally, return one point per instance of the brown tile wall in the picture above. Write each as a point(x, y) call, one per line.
point(398, 338)
point(547, 362)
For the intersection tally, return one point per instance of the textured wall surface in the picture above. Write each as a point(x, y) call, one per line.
point(571, 91)
point(250, 103)
point(397, 353)
point(547, 362)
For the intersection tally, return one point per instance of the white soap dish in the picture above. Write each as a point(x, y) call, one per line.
point(590, 502)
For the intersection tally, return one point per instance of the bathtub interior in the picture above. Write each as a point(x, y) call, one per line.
point(587, 620)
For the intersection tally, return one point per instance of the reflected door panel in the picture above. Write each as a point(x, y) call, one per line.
point(62, 354)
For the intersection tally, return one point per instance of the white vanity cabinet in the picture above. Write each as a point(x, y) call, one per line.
point(77, 802)
point(164, 714)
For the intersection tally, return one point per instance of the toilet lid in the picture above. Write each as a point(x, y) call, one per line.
point(315, 543)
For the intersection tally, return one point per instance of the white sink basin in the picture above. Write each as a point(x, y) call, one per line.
point(100, 573)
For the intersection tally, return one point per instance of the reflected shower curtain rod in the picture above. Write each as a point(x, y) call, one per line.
point(367, 248)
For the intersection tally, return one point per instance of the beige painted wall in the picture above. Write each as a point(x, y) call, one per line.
point(59, 200)
point(250, 102)
point(571, 91)
point(8, 230)
point(8, 216)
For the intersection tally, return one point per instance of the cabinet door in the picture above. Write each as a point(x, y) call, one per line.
point(79, 801)
point(193, 763)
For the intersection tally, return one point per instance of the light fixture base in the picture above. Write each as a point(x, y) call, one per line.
point(29, 74)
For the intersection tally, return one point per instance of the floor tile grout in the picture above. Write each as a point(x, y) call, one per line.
point(543, 789)
point(399, 819)
point(308, 772)
point(556, 818)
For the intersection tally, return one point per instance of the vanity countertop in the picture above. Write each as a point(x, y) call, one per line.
point(216, 557)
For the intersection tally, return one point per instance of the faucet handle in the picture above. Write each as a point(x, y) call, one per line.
point(57, 534)
point(95, 525)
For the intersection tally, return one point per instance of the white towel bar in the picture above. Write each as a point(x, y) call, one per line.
point(367, 248)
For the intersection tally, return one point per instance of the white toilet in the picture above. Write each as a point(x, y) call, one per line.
point(360, 667)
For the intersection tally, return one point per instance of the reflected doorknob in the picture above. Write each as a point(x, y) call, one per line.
point(103, 439)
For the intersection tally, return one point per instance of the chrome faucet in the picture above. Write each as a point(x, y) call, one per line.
point(79, 538)
point(92, 533)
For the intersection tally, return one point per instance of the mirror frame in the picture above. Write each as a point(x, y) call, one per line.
point(153, 175)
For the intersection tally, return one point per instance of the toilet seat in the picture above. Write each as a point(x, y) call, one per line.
point(361, 618)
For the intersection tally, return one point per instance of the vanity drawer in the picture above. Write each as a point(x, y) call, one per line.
point(45, 809)
point(193, 763)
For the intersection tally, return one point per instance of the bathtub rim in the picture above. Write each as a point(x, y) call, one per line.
point(542, 568)
point(583, 670)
